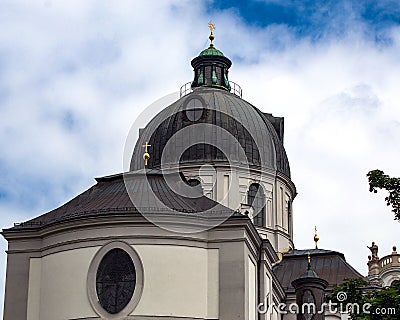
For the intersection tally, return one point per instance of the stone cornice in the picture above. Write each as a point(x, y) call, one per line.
point(213, 235)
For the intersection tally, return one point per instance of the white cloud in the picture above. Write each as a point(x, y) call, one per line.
point(341, 120)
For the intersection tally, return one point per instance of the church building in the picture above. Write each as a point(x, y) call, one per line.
point(200, 227)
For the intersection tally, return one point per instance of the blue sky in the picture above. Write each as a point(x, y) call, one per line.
point(318, 20)
point(75, 75)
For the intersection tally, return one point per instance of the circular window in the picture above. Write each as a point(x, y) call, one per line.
point(194, 107)
point(194, 114)
point(115, 280)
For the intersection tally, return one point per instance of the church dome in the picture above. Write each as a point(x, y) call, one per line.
point(212, 125)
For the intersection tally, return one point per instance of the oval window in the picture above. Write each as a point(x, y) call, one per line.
point(115, 280)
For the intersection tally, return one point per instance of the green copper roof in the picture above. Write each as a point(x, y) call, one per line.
point(211, 51)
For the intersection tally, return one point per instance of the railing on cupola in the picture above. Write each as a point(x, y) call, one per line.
point(187, 88)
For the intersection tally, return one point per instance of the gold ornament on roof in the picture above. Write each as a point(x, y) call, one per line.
point(146, 155)
point(316, 238)
point(211, 26)
point(282, 252)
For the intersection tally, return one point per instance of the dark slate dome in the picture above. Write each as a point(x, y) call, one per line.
point(211, 125)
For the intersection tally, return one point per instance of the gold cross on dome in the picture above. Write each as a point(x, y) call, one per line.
point(146, 155)
point(146, 146)
point(316, 238)
point(211, 26)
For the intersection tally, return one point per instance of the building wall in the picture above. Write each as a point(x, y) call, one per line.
point(61, 292)
point(389, 274)
point(16, 288)
point(210, 275)
point(251, 289)
point(179, 281)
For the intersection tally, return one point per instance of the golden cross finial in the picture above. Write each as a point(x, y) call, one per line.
point(146, 155)
point(316, 238)
point(211, 26)
point(146, 146)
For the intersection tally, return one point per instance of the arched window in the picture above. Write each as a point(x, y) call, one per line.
point(196, 184)
point(256, 198)
point(193, 182)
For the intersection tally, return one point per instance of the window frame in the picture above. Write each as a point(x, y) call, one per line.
point(259, 219)
point(91, 280)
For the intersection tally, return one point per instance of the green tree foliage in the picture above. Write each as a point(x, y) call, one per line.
point(353, 290)
point(379, 180)
point(386, 299)
point(376, 305)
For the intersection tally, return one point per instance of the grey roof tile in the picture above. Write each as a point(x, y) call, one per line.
point(149, 189)
point(329, 265)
